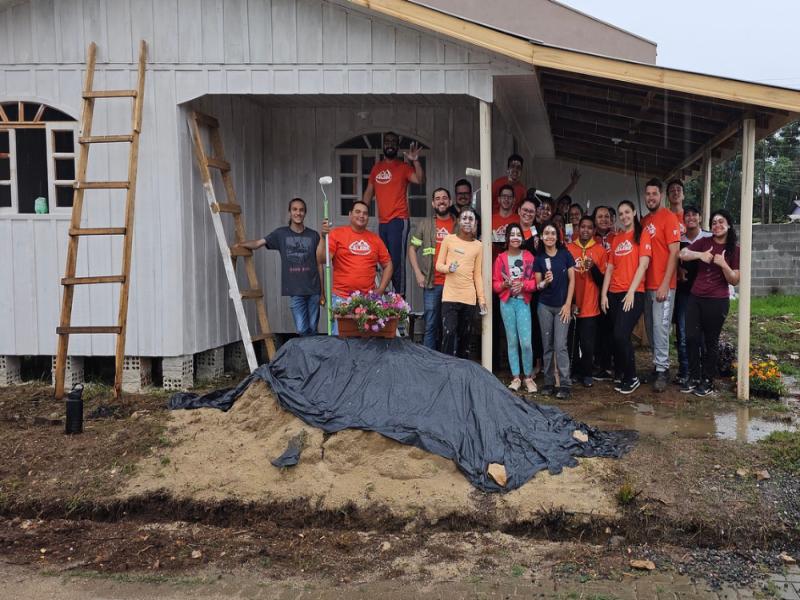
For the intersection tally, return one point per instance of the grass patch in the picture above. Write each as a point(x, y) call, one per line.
point(783, 449)
point(626, 494)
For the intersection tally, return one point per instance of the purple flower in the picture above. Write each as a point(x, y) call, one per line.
point(375, 328)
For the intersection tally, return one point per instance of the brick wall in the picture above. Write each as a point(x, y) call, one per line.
point(776, 259)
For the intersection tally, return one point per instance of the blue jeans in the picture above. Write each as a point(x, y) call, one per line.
point(517, 321)
point(432, 302)
point(681, 302)
point(395, 235)
point(305, 311)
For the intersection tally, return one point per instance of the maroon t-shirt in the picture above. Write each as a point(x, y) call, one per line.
point(710, 281)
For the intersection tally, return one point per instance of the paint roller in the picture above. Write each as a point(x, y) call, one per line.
point(323, 181)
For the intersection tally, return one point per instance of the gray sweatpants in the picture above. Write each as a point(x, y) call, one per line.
point(554, 345)
point(658, 322)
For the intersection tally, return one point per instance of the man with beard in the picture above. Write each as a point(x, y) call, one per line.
point(426, 240)
point(675, 198)
point(463, 200)
point(661, 278)
point(388, 184)
point(511, 178)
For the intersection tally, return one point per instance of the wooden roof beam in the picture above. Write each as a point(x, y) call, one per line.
point(609, 165)
point(561, 59)
point(650, 134)
point(590, 146)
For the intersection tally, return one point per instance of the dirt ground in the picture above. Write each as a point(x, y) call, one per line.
point(184, 494)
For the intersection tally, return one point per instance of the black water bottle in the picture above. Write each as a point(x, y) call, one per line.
point(75, 410)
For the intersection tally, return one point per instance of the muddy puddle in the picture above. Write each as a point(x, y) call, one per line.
point(739, 423)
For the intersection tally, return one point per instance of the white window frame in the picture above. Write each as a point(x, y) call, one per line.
point(12, 182)
point(52, 156)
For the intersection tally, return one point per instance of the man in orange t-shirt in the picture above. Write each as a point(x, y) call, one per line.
point(675, 198)
point(661, 278)
point(355, 252)
point(388, 184)
point(512, 178)
point(502, 218)
point(590, 267)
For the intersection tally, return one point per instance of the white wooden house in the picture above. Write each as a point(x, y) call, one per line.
point(303, 88)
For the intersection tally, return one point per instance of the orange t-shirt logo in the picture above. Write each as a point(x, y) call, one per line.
point(383, 177)
point(360, 248)
point(623, 249)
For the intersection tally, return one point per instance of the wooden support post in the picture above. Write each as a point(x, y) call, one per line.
point(706, 191)
point(485, 128)
point(745, 256)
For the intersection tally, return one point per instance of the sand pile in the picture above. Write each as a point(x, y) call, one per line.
point(215, 455)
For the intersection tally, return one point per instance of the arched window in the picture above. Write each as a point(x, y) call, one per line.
point(37, 157)
point(355, 159)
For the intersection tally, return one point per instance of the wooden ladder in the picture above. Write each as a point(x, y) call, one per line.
point(216, 160)
point(86, 139)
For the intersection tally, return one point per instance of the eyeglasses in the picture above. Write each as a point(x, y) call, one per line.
point(527, 211)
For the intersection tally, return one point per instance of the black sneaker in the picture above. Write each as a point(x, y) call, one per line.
point(629, 387)
point(617, 378)
point(688, 386)
point(680, 380)
point(547, 390)
point(587, 382)
point(602, 375)
point(563, 393)
point(661, 380)
point(704, 388)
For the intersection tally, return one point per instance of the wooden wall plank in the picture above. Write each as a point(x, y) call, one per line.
point(7, 301)
point(22, 33)
point(190, 31)
point(121, 48)
point(334, 34)
point(359, 39)
point(165, 25)
point(235, 31)
point(309, 31)
point(284, 32)
point(259, 19)
point(44, 30)
point(407, 45)
point(383, 42)
point(212, 36)
point(23, 259)
point(47, 273)
point(95, 27)
point(69, 30)
point(142, 27)
point(6, 55)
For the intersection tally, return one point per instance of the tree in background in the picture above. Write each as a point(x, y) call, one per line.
point(776, 182)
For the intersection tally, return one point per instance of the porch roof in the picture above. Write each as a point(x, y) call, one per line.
point(616, 113)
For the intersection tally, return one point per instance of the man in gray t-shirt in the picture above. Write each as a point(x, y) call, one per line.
point(301, 276)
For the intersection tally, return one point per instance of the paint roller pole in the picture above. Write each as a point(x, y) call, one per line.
point(323, 181)
point(485, 137)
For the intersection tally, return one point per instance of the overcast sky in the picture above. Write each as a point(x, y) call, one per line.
point(755, 40)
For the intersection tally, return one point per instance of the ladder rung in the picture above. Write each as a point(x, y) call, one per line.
point(88, 329)
point(105, 139)
point(205, 119)
point(97, 231)
point(218, 163)
point(101, 185)
point(252, 294)
point(226, 208)
point(110, 94)
point(261, 337)
point(89, 280)
point(241, 251)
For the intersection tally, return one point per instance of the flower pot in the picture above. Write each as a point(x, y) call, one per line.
point(348, 328)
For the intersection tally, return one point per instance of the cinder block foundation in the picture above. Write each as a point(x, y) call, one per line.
point(137, 373)
point(235, 358)
point(10, 371)
point(73, 373)
point(178, 372)
point(211, 363)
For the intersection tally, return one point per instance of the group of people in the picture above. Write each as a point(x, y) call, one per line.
point(568, 286)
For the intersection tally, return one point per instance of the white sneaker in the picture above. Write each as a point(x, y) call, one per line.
point(515, 384)
point(530, 385)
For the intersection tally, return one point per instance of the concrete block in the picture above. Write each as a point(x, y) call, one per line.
point(10, 370)
point(73, 374)
point(211, 363)
point(137, 373)
point(235, 358)
point(178, 372)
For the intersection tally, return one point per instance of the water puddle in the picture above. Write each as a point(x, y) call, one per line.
point(742, 424)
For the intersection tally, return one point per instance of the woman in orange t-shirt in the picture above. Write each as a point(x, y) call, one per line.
point(623, 291)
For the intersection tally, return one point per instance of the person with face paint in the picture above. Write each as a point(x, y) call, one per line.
point(687, 271)
point(426, 242)
point(622, 296)
point(301, 276)
point(463, 199)
point(388, 184)
point(709, 302)
point(555, 279)
point(513, 281)
point(460, 261)
point(590, 268)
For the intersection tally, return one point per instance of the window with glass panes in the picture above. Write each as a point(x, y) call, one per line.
point(37, 157)
point(355, 159)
